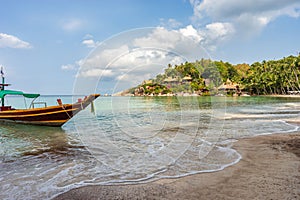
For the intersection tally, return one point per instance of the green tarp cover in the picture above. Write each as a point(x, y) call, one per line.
point(13, 92)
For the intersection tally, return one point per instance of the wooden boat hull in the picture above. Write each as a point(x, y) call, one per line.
point(48, 116)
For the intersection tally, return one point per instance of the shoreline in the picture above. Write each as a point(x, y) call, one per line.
point(196, 95)
point(282, 95)
point(269, 169)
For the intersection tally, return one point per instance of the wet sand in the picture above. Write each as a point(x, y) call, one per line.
point(269, 169)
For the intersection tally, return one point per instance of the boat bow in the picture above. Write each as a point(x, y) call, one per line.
point(47, 116)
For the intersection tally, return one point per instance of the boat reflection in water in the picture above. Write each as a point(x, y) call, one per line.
point(19, 142)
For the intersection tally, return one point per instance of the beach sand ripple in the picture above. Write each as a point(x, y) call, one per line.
point(269, 169)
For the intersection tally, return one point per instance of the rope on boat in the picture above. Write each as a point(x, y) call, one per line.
point(81, 105)
point(66, 111)
point(92, 107)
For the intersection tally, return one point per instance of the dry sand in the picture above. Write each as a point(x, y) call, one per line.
point(269, 169)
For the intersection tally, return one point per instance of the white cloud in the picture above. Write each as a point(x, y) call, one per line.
point(88, 36)
point(89, 43)
point(126, 62)
point(187, 40)
point(170, 23)
point(197, 11)
point(131, 57)
point(11, 41)
point(220, 9)
point(142, 61)
point(190, 31)
point(248, 17)
point(101, 58)
point(72, 24)
point(68, 67)
point(218, 32)
point(117, 62)
point(182, 41)
point(137, 55)
point(159, 38)
point(157, 47)
point(97, 73)
point(219, 29)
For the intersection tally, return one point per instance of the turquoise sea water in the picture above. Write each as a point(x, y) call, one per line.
point(134, 140)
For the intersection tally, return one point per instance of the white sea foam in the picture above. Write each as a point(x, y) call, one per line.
point(129, 146)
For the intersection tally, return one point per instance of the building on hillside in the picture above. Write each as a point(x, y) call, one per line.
point(171, 80)
point(229, 88)
point(139, 91)
point(187, 79)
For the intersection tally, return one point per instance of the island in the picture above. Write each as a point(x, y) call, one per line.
point(207, 77)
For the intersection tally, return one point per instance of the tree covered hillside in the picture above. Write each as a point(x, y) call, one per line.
point(206, 76)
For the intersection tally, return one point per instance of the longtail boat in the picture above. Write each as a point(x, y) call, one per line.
point(47, 116)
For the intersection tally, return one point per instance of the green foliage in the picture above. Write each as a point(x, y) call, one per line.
point(155, 89)
point(273, 77)
point(267, 77)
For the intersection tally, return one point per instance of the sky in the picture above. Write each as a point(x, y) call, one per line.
point(105, 46)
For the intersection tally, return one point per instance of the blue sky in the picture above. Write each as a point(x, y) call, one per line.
point(66, 46)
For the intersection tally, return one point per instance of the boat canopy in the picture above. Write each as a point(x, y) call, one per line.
point(14, 92)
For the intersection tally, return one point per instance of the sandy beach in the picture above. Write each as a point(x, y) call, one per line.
point(269, 169)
